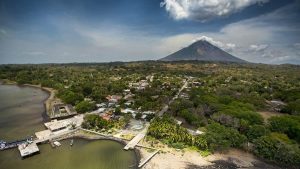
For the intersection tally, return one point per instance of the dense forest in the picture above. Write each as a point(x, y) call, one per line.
point(254, 107)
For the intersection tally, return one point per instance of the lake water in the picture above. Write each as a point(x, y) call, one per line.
point(22, 113)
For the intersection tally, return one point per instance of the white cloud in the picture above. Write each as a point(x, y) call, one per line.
point(205, 9)
point(224, 46)
point(258, 48)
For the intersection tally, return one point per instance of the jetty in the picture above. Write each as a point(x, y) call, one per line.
point(135, 141)
point(27, 149)
point(137, 138)
point(142, 163)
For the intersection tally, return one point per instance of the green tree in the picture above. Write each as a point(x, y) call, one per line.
point(84, 106)
point(117, 111)
point(287, 124)
point(275, 149)
point(71, 97)
point(221, 138)
point(138, 116)
point(257, 131)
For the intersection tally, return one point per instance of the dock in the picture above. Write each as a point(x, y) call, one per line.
point(136, 139)
point(28, 149)
point(142, 163)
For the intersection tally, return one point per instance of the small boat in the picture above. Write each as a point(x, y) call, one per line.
point(56, 143)
point(71, 143)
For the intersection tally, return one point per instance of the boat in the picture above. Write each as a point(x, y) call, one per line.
point(72, 142)
point(56, 143)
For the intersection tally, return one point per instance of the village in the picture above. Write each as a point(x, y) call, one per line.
point(66, 122)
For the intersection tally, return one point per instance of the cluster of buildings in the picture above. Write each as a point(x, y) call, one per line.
point(142, 84)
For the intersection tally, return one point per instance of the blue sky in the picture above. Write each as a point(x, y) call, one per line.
point(59, 31)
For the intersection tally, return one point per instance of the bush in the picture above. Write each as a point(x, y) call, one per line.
point(118, 111)
point(84, 106)
point(191, 118)
point(221, 138)
point(292, 108)
point(287, 124)
point(275, 149)
point(138, 116)
point(71, 97)
point(257, 131)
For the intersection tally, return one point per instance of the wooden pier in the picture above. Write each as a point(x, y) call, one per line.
point(135, 141)
point(28, 149)
point(142, 163)
point(137, 138)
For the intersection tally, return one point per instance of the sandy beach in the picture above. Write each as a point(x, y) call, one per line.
point(170, 158)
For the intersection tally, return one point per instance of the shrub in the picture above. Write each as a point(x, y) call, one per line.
point(257, 131)
point(287, 124)
point(275, 149)
point(84, 106)
point(221, 138)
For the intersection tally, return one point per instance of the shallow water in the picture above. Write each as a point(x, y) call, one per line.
point(84, 154)
point(21, 114)
point(21, 111)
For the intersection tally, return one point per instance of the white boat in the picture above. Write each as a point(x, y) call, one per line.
point(56, 143)
point(72, 142)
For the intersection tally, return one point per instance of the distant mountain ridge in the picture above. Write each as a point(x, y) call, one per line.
point(202, 51)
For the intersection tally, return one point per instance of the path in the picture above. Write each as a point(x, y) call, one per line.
point(166, 107)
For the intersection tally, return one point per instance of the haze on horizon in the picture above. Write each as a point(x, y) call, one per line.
point(60, 31)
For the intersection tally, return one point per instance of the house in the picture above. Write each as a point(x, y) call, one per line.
point(114, 98)
point(88, 99)
point(126, 111)
point(129, 111)
point(195, 83)
point(195, 132)
point(127, 103)
point(148, 112)
point(126, 91)
point(101, 105)
point(178, 122)
point(56, 125)
point(101, 110)
point(150, 78)
point(106, 116)
point(144, 116)
point(129, 97)
point(112, 104)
